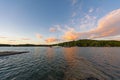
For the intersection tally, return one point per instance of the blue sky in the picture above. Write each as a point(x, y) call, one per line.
point(46, 21)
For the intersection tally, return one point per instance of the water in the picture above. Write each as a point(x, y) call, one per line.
point(76, 63)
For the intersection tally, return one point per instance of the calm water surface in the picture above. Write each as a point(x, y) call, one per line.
point(76, 63)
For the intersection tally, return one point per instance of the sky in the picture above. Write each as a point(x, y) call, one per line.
point(53, 21)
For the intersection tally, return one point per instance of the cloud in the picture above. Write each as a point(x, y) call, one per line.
point(74, 14)
point(59, 28)
point(89, 27)
point(39, 36)
point(12, 40)
point(52, 29)
point(107, 26)
point(3, 37)
point(79, 28)
point(91, 10)
point(56, 28)
point(26, 39)
point(51, 40)
point(88, 22)
point(70, 35)
point(74, 2)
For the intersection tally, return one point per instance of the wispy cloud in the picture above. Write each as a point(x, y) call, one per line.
point(74, 14)
point(3, 37)
point(26, 39)
point(107, 26)
point(91, 10)
point(88, 27)
point(87, 22)
point(56, 28)
point(12, 40)
point(53, 29)
point(74, 2)
point(39, 36)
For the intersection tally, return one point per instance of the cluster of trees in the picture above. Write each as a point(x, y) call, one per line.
point(91, 43)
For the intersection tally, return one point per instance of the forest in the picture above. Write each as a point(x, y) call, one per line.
point(91, 43)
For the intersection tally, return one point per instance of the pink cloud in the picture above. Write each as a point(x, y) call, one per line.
point(51, 40)
point(56, 28)
point(39, 36)
point(3, 37)
point(53, 29)
point(71, 34)
point(107, 26)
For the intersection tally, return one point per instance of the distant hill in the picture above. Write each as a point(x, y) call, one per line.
point(91, 43)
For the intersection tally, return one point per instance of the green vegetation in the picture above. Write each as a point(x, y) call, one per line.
point(91, 43)
point(79, 43)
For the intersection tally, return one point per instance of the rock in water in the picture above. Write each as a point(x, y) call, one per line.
point(6, 53)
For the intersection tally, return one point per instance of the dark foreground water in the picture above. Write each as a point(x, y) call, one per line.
point(77, 63)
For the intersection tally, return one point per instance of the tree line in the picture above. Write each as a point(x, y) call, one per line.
point(91, 43)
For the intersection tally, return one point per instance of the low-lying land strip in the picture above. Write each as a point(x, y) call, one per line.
point(78, 43)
